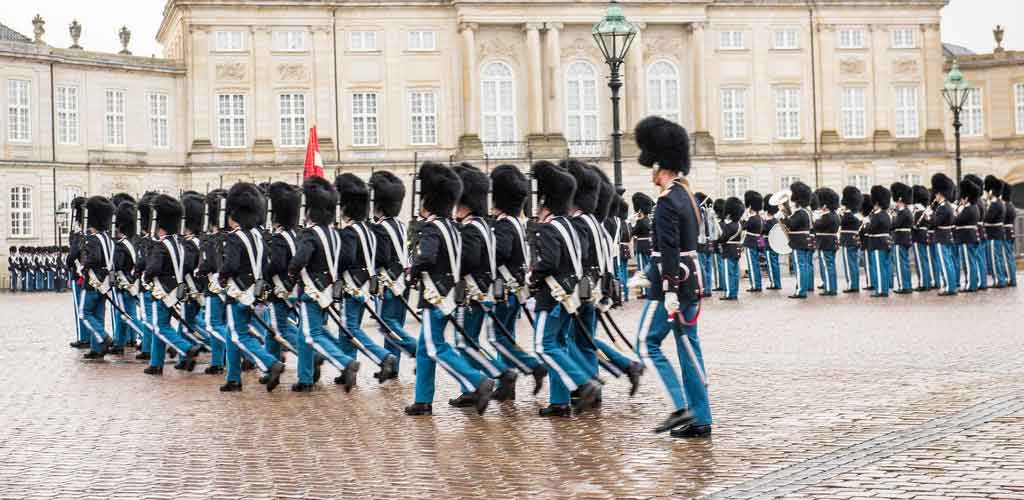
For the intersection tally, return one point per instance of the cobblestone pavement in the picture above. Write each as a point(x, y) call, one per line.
point(826, 398)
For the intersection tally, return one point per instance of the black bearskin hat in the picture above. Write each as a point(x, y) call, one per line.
point(975, 179)
point(476, 187)
point(246, 205)
point(555, 187)
point(13, 249)
point(388, 193)
point(902, 193)
point(440, 188)
point(700, 197)
point(881, 196)
point(285, 201)
point(829, 198)
point(604, 194)
point(125, 218)
point(921, 195)
point(119, 197)
point(734, 208)
point(1007, 191)
point(78, 209)
point(643, 203)
point(867, 204)
point(801, 194)
point(588, 185)
point(510, 189)
point(100, 210)
point(193, 204)
point(321, 198)
point(968, 189)
point(993, 185)
point(852, 199)
point(621, 207)
point(213, 215)
point(663, 142)
point(167, 211)
point(145, 207)
point(753, 200)
point(719, 207)
point(354, 196)
point(942, 184)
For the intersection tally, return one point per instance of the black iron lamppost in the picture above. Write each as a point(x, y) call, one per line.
point(614, 35)
point(956, 93)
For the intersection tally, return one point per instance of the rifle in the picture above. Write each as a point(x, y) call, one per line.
point(273, 332)
point(124, 315)
point(504, 331)
point(606, 318)
point(334, 315)
point(390, 334)
point(601, 358)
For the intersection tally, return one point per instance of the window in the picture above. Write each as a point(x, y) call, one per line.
point(231, 120)
point(851, 38)
point(67, 115)
point(787, 113)
point(1018, 90)
point(906, 112)
point(736, 186)
point(861, 182)
point(911, 180)
point(290, 41)
point(114, 118)
point(230, 41)
point(787, 39)
point(19, 123)
point(854, 117)
point(731, 40)
point(903, 38)
point(293, 119)
point(972, 114)
point(787, 180)
point(422, 40)
point(423, 114)
point(362, 41)
point(64, 208)
point(21, 212)
point(733, 113)
point(663, 91)
point(581, 109)
point(158, 129)
point(364, 119)
point(498, 94)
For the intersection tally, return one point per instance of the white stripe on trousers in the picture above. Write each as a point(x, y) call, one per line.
point(157, 332)
point(308, 337)
point(899, 268)
point(208, 318)
point(432, 351)
point(538, 348)
point(81, 314)
point(945, 269)
point(750, 270)
point(238, 341)
point(878, 271)
point(846, 267)
point(799, 280)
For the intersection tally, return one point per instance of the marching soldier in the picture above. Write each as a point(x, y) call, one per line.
point(243, 274)
point(96, 254)
point(286, 205)
point(944, 221)
point(719, 260)
point(166, 267)
point(752, 228)
point(642, 206)
point(13, 261)
point(388, 194)
point(358, 270)
point(902, 235)
point(878, 231)
point(827, 229)
point(618, 229)
point(799, 225)
point(214, 306)
point(128, 285)
point(921, 239)
point(194, 206)
point(771, 256)
point(994, 231)
point(435, 269)
point(315, 267)
point(1009, 219)
point(675, 280)
point(510, 190)
point(849, 237)
point(705, 242)
point(965, 234)
point(978, 254)
point(557, 270)
point(731, 243)
point(866, 207)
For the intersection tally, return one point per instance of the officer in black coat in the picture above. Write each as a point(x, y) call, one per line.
point(995, 232)
point(878, 232)
point(826, 238)
point(128, 287)
point(731, 243)
point(214, 307)
point(771, 256)
point(850, 223)
point(902, 235)
point(96, 254)
point(943, 221)
point(74, 265)
point(921, 239)
point(965, 234)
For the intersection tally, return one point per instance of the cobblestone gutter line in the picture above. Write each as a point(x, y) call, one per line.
point(810, 472)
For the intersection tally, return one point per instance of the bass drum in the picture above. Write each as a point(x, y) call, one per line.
point(778, 240)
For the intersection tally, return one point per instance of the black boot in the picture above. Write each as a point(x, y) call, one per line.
point(634, 370)
point(231, 387)
point(540, 372)
point(387, 369)
point(248, 365)
point(142, 356)
point(214, 370)
point(93, 355)
point(300, 387)
point(154, 370)
point(419, 409)
point(347, 379)
point(506, 390)
point(678, 418)
point(316, 368)
point(264, 379)
point(589, 392)
point(276, 370)
point(171, 354)
point(79, 344)
point(117, 350)
point(484, 392)
point(556, 411)
point(465, 400)
point(181, 364)
point(692, 431)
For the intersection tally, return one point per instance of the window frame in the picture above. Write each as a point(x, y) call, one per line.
point(727, 39)
point(501, 146)
point(362, 35)
point(742, 112)
point(367, 118)
point(281, 39)
point(896, 43)
point(232, 119)
point(788, 113)
point(242, 41)
point(902, 112)
point(153, 120)
point(908, 178)
point(427, 118)
point(851, 180)
point(665, 87)
point(739, 188)
point(420, 35)
point(28, 220)
point(111, 118)
point(1018, 90)
point(785, 31)
point(293, 119)
point(967, 115)
point(862, 38)
point(844, 109)
point(19, 132)
point(68, 118)
point(584, 144)
point(787, 180)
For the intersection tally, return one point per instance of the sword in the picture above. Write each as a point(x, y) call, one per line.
point(409, 307)
point(333, 314)
point(273, 332)
point(607, 317)
point(391, 334)
point(689, 350)
point(189, 330)
point(124, 315)
point(601, 358)
point(504, 331)
point(465, 336)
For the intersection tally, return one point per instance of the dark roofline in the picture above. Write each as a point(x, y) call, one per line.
point(10, 35)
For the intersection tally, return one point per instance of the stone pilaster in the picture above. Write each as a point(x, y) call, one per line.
point(469, 142)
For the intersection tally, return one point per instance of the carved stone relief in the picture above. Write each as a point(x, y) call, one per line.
point(851, 66)
point(905, 67)
point(291, 72)
point(497, 47)
point(580, 47)
point(663, 45)
point(231, 71)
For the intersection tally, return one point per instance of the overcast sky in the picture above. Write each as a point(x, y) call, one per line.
point(964, 22)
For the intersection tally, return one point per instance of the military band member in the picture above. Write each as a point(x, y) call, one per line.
point(127, 284)
point(75, 240)
point(315, 268)
point(994, 231)
point(435, 269)
point(849, 237)
point(13, 262)
point(675, 279)
point(194, 205)
point(618, 229)
point(866, 207)
point(799, 226)
point(771, 256)
point(752, 229)
point(588, 185)
point(556, 270)
point(1009, 219)
point(943, 221)
point(214, 307)
point(978, 253)
point(921, 237)
point(719, 260)
point(902, 236)
point(642, 206)
point(827, 234)
point(731, 242)
point(388, 194)
point(878, 232)
point(965, 233)
point(243, 274)
point(510, 190)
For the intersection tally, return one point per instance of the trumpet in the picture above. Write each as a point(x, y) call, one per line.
point(781, 199)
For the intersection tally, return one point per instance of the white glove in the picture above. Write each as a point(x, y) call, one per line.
point(638, 281)
point(531, 304)
point(671, 304)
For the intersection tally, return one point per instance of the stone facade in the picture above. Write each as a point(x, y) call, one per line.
point(843, 92)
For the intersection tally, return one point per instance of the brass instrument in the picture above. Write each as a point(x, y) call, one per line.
point(782, 199)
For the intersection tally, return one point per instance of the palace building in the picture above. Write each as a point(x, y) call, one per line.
point(831, 93)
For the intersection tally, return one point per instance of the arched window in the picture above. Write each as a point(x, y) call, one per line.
point(21, 212)
point(663, 90)
point(498, 95)
point(581, 109)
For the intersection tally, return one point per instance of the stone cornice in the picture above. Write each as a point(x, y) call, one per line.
point(103, 60)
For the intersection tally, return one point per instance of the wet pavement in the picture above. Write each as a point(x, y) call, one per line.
point(906, 397)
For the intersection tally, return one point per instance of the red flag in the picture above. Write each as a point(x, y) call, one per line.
point(314, 163)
